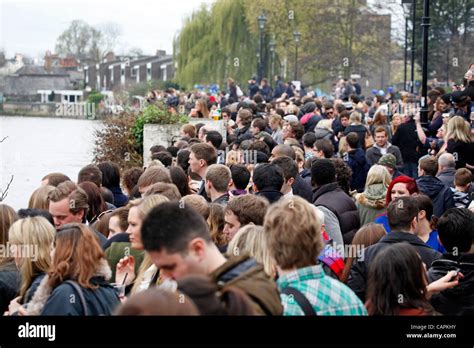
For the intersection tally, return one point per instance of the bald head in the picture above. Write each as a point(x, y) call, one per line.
point(283, 150)
point(446, 161)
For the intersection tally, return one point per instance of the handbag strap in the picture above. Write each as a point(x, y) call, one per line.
point(80, 293)
point(301, 300)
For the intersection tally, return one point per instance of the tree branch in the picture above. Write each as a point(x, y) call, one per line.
point(5, 192)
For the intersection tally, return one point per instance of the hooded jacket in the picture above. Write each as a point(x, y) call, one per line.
point(337, 201)
point(360, 167)
point(440, 194)
point(358, 275)
point(247, 275)
point(447, 176)
point(323, 133)
point(460, 299)
point(99, 301)
point(371, 203)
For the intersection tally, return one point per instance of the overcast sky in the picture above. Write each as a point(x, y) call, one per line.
point(32, 26)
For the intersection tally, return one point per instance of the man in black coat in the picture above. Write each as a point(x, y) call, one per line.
point(327, 193)
point(406, 139)
point(430, 185)
point(403, 220)
point(456, 233)
point(294, 184)
point(268, 180)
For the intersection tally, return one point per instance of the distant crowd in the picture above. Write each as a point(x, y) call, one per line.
point(305, 206)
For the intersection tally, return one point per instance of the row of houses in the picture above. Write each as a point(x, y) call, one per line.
point(123, 72)
point(65, 78)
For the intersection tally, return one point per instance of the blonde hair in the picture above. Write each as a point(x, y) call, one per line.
point(251, 240)
point(232, 157)
point(343, 146)
point(8, 216)
point(325, 124)
point(293, 233)
point(144, 206)
point(458, 130)
point(355, 117)
point(275, 118)
point(39, 199)
point(27, 233)
point(292, 110)
point(378, 175)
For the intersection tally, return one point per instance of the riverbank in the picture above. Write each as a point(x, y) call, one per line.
point(79, 111)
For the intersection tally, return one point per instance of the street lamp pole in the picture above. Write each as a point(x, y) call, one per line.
point(272, 46)
point(413, 47)
point(406, 55)
point(261, 25)
point(297, 37)
point(425, 24)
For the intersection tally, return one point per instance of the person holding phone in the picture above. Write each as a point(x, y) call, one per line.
point(456, 233)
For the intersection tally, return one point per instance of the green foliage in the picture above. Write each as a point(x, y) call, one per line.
point(212, 38)
point(451, 37)
point(214, 44)
point(95, 97)
point(156, 113)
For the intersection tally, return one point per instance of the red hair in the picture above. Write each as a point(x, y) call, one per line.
point(409, 183)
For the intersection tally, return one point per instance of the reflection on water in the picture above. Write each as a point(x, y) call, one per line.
point(36, 146)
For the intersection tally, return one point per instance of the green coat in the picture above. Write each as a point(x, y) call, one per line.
point(371, 203)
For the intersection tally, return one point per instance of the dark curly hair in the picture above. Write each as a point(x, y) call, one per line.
point(343, 174)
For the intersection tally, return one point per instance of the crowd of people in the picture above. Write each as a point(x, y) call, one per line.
point(306, 206)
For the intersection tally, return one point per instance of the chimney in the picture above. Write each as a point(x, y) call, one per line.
point(48, 62)
point(110, 57)
point(160, 53)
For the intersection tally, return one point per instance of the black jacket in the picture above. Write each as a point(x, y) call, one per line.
point(243, 133)
point(357, 280)
point(9, 284)
point(302, 188)
point(440, 194)
point(407, 141)
point(463, 153)
point(360, 167)
point(337, 201)
point(360, 130)
point(222, 200)
point(271, 195)
point(460, 299)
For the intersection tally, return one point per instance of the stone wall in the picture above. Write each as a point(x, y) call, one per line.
point(164, 134)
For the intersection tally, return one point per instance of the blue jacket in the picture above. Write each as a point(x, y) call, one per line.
point(440, 194)
point(100, 301)
point(120, 199)
point(360, 167)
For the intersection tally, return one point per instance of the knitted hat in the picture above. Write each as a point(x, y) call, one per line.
point(388, 160)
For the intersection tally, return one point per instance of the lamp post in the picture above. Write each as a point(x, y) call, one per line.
point(425, 24)
point(413, 9)
point(405, 70)
point(262, 20)
point(272, 46)
point(297, 37)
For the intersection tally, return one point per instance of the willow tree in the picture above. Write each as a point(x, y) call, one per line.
point(338, 37)
point(215, 43)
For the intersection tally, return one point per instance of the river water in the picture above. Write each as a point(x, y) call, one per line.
point(37, 146)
